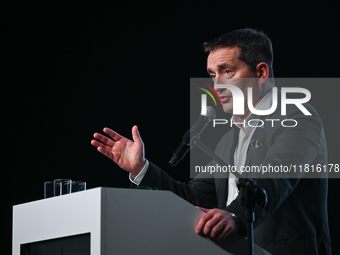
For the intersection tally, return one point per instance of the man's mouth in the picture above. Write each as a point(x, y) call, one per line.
point(225, 99)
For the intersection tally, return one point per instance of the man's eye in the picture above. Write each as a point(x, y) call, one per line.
point(227, 71)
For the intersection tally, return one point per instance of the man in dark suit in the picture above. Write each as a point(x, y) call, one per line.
point(295, 218)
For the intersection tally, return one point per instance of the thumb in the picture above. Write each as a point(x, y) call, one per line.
point(135, 134)
point(203, 209)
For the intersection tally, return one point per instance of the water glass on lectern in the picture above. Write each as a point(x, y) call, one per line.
point(62, 186)
point(78, 186)
point(48, 189)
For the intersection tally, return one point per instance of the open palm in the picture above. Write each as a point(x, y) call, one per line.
point(127, 154)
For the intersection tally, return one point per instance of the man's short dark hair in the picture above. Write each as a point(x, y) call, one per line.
point(254, 47)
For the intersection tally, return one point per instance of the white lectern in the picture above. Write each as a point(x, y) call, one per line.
point(106, 221)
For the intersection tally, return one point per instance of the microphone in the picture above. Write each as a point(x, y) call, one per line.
point(192, 135)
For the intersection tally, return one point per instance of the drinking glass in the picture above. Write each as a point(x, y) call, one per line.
point(62, 187)
point(48, 189)
point(78, 186)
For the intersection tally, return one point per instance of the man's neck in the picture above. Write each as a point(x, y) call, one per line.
point(240, 119)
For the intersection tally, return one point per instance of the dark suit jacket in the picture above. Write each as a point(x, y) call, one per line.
point(295, 219)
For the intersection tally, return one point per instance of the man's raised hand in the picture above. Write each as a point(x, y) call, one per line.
point(127, 154)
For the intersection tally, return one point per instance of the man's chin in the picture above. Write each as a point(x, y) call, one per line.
point(227, 109)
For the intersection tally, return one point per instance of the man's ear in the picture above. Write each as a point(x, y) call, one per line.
point(262, 71)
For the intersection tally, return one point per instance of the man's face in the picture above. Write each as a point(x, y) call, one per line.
point(225, 67)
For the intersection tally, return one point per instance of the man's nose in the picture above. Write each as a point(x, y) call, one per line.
point(219, 80)
point(220, 90)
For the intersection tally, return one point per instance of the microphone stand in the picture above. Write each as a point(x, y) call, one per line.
point(251, 195)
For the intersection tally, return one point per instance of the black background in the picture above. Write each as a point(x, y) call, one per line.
point(71, 69)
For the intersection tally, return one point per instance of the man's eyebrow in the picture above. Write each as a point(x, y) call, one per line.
point(209, 71)
point(225, 65)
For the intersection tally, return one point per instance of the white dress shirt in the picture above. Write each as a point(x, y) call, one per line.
point(243, 144)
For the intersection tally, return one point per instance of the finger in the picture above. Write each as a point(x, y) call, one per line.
point(135, 134)
point(226, 230)
point(211, 228)
point(217, 230)
point(203, 209)
point(106, 151)
point(103, 149)
point(103, 139)
point(202, 222)
point(95, 143)
point(115, 136)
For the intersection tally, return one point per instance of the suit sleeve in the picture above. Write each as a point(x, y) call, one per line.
point(199, 191)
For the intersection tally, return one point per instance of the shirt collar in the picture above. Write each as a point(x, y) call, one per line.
point(264, 104)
